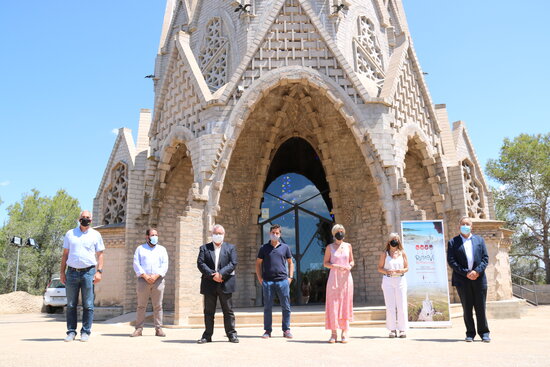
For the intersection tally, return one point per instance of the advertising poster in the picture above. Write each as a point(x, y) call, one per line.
point(428, 286)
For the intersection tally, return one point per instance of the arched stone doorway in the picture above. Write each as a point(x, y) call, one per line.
point(291, 113)
point(296, 196)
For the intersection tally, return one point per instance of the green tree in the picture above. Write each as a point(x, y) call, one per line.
point(46, 219)
point(523, 168)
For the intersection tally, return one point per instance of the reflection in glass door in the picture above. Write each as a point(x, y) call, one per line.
point(293, 202)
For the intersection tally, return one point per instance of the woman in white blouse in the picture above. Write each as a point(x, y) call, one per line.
point(393, 265)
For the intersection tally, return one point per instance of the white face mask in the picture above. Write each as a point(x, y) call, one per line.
point(154, 240)
point(217, 238)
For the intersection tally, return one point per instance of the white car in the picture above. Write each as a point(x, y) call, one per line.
point(55, 295)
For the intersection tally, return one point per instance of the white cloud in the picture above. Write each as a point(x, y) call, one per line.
point(301, 194)
point(4, 183)
point(316, 205)
point(115, 131)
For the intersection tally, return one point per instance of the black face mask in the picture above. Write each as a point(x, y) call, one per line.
point(394, 243)
point(85, 222)
point(339, 236)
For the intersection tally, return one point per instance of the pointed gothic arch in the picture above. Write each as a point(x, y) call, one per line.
point(419, 181)
point(297, 109)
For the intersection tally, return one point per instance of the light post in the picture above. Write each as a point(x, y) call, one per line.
point(18, 241)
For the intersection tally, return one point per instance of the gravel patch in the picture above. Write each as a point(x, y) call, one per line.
point(20, 302)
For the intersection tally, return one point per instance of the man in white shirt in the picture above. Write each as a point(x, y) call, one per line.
point(467, 256)
point(83, 260)
point(150, 265)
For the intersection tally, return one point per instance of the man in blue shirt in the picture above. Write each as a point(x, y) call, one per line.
point(272, 273)
point(150, 265)
point(83, 259)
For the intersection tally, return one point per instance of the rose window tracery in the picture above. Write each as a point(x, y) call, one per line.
point(116, 195)
point(214, 54)
point(368, 55)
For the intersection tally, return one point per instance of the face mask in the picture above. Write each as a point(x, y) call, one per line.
point(217, 238)
point(465, 229)
point(85, 222)
point(339, 236)
point(274, 237)
point(153, 240)
point(394, 243)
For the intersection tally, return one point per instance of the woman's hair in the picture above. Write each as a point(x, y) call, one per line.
point(338, 228)
point(394, 236)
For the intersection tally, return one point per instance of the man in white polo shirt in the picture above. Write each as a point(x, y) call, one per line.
point(83, 260)
point(150, 265)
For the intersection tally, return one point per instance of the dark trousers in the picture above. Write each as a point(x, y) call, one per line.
point(472, 296)
point(226, 303)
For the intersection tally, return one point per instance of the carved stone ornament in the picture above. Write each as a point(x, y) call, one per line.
point(116, 195)
point(213, 55)
point(474, 192)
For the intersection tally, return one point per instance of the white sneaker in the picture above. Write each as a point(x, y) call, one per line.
point(70, 337)
point(393, 334)
point(84, 337)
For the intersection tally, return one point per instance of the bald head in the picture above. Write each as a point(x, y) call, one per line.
point(85, 218)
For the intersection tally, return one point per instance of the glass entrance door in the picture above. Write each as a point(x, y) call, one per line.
point(293, 202)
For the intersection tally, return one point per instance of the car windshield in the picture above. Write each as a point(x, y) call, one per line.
point(56, 283)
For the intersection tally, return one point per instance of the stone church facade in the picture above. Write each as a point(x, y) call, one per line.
point(328, 89)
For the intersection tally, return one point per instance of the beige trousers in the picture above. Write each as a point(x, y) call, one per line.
point(145, 291)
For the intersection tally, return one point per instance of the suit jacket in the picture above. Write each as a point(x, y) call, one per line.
point(206, 263)
point(456, 258)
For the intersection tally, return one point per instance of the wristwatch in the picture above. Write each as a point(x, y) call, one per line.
point(100, 271)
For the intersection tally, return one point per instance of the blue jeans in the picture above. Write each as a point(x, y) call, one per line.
point(282, 287)
point(82, 281)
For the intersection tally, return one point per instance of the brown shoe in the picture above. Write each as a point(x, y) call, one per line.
point(137, 332)
point(159, 332)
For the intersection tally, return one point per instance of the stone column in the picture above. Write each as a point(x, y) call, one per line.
point(498, 241)
point(189, 238)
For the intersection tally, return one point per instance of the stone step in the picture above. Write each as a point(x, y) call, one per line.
point(314, 315)
point(301, 316)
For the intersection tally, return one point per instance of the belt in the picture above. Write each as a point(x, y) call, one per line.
point(83, 269)
point(393, 276)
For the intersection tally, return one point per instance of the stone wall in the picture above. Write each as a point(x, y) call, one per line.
point(108, 292)
point(174, 201)
point(417, 176)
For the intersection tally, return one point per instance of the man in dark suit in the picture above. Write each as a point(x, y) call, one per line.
point(217, 262)
point(467, 256)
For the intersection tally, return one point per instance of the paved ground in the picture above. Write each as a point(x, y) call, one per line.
point(36, 340)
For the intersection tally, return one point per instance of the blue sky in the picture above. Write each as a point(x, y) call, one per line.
point(72, 71)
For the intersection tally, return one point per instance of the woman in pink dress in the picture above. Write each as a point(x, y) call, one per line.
point(339, 298)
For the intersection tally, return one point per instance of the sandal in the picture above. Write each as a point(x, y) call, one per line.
point(344, 338)
point(332, 339)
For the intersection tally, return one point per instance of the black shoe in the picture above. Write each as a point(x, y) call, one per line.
point(233, 339)
point(203, 341)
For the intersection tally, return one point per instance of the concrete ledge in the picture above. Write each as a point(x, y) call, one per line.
point(100, 313)
point(508, 309)
point(315, 315)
